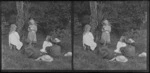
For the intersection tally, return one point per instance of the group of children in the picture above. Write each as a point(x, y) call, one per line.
point(50, 45)
point(88, 38)
point(125, 46)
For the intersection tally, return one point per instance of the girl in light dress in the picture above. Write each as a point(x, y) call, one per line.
point(46, 43)
point(106, 29)
point(14, 38)
point(88, 38)
point(121, 43)
point(32, 32)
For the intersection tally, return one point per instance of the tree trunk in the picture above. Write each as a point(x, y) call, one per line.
point(96, 14)
point(27, 5)
point(93, 19)
point(20, 16)
point(97, 27)
point(100, 14)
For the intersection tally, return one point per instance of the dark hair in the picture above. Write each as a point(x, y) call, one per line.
point(30, 18)
point(104, 18)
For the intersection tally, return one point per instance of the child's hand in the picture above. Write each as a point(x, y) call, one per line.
point(29, 29)
point(10, 46)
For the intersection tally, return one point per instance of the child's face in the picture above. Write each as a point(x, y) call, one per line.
point(48, 38)
point(30, 23)
point(122, 38)
point(89, 28)
point(13, 27)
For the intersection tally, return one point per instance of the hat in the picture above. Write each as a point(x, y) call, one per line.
point(131, 40)
point(68, 54)
point(143, 54)
point(121, 58)
point(57, 40)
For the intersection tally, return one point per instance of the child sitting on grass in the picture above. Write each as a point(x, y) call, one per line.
point(88, 39)
point(46, 43)
point(126, 47)
point(14, 38)
point(121, 43)
point(51, 47)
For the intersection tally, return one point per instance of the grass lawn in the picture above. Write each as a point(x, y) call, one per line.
point(88, 60)
point(14, 60)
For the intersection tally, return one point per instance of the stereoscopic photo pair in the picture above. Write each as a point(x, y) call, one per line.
point(74, 35)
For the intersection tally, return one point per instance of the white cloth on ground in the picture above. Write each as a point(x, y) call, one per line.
point(45, 58)
point(143, 54)
point(120, 45)
point(68, 54)
point(14, 39)
point(45, 44)
point(32, 33)
point(120, 58)
point(88, 39)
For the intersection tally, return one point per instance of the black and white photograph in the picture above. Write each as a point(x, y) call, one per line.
point(36, 35)
point(113, 37)
point(75, 36)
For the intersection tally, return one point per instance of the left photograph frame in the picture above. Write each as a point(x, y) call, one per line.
point(36, 35)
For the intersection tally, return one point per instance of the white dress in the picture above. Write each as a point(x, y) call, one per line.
point(88, 39)
point(120, 45)
point(106, 34)
point(14, 39)
point(32, 33)
point(46, 44)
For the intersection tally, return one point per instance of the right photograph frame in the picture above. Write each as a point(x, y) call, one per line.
point(110, 35)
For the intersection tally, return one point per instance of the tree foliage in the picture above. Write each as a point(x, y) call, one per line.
point(49, 15)
point(123, 15)
point(20, 16)
point(93, 18)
